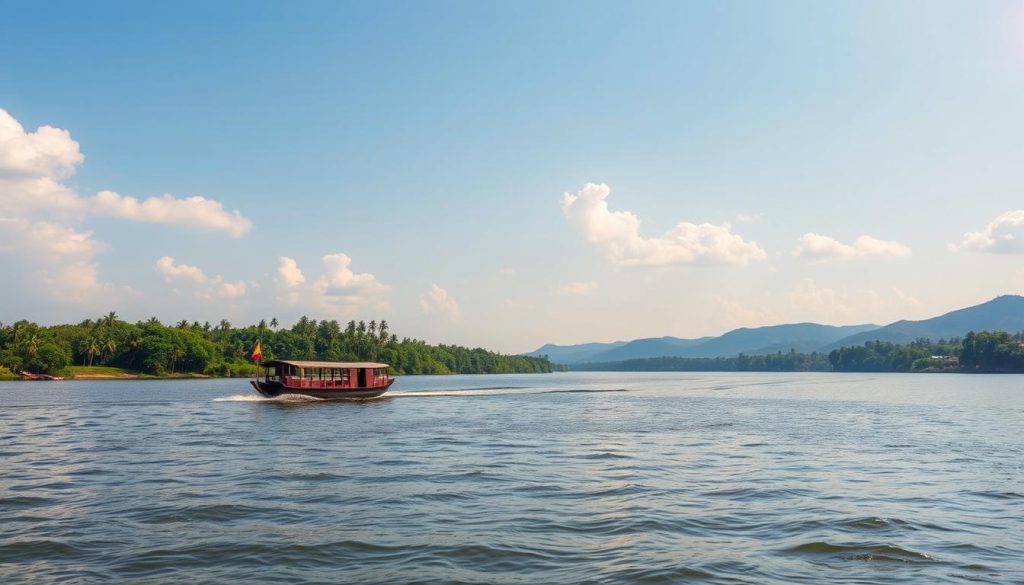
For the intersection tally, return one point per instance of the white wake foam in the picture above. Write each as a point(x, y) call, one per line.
point(258, 398)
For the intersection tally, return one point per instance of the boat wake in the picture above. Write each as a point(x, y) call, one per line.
point(488, 391)
point(258, 398)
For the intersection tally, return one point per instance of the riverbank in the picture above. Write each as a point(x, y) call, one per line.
point(111, 373)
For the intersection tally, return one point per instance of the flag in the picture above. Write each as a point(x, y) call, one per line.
point(257, 353)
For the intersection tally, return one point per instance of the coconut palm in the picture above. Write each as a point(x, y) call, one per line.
point(273, 323)
point(92, 347)
point(176, 355)
point(31, 344)
point(108, 348)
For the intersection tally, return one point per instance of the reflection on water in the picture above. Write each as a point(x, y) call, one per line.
point(596, 477)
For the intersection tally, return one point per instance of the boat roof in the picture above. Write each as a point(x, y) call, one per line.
point(307, 364)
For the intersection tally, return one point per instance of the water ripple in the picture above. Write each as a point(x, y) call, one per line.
point(581, 478)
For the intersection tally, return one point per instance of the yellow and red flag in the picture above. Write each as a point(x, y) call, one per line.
point(257, 353)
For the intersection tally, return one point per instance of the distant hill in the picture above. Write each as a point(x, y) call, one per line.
point(1005, 313)
point(573, 354)
point(800, 336)
point(643, 348)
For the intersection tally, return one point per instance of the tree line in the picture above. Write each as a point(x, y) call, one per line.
point(152, 347)
point(985, 351)
point(774, 362)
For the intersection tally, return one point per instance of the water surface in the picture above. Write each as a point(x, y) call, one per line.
point(561, 478)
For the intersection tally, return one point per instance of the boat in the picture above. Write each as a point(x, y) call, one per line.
point(37, 377)
point(333, 380)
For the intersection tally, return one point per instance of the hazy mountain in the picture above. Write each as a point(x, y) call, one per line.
point(801, 337)
point(641, 348)
point(1005, 313)
point(573, 354)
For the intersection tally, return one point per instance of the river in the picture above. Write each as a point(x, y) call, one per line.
point(557, 478)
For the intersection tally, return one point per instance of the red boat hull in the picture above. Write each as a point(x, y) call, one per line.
point(275, 389)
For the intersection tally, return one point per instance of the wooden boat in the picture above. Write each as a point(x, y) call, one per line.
point(37, 377)
point(323, 379)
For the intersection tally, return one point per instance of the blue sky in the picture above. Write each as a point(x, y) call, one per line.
point(763, 163)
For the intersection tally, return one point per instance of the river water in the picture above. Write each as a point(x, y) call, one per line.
point(558, 478)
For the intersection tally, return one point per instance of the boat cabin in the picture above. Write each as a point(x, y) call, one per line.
point(325, 375)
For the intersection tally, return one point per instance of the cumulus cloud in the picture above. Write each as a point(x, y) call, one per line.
point(229, 290)
point(61, 258)
point(47, 152)
point(197, 212)
point(38, 204)
point(339, 291)
point(618, 232)
point(437, 301)
point(33, 164)
point(575, 288)
point(821, 248)
point(208, 288)
point(52, 241)
point(809, 301)
point(170, 270)
point(1003, 235)
point(288, 272)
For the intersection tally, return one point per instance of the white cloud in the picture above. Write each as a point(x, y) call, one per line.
point(51, 241)
point(747, 217)
point(339, 291)
point(214, 287)
point(196, 212)
point(60, 258)
point(821, 248)
point(619, 233)
point(38, 204)
point(170, 270)
point(288, 272)
point(78, 282)
point(809, 301)
point(1003, 235)
point(437, 301)
point(230, 290)
point(47, 152)
point(32, 165)
point(575, 288)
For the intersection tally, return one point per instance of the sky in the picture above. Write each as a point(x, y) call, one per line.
point(509, 174)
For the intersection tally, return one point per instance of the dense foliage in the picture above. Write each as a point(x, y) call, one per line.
point(977, 352)
point(883, 356)
point(154, 348)
point(775, 362)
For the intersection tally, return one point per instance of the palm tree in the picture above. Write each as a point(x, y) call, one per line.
point(92, 347)
point(109, 318)
point(31, 344)
point(183, 324)
point(382, 330)
point(177, 354)
point(373, 328)
point(262, 325)
point(153, 321)
point(273, 323)
point(108, 348)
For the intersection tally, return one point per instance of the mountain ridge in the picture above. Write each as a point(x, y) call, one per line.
point(1003, 313)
